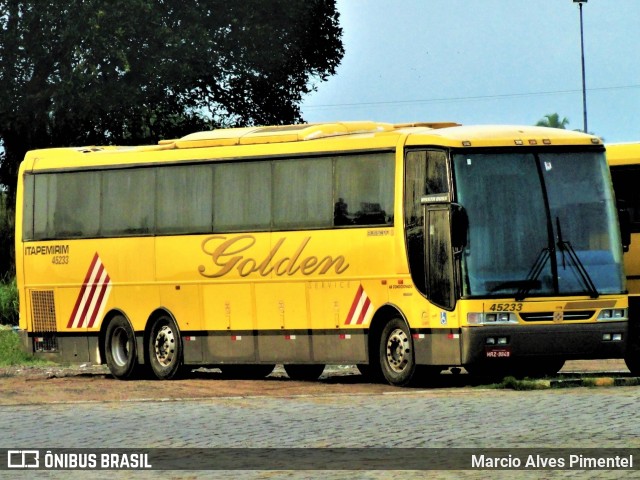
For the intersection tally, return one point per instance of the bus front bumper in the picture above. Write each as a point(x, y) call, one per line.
point(569, 341)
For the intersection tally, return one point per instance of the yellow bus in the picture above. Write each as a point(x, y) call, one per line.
point(624, 161)
point(403, 249)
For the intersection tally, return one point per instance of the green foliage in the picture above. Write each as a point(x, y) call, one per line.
point(135, 71)
point(553, 120)
point(8, 302)
point(11, 352)
point(7, 265)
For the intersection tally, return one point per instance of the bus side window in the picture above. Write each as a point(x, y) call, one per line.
point(625, 184)
point(425, 174)
point(437, 178)
point(440, 267)
point(364, 198)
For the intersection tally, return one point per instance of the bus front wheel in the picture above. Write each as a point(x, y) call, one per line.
point(165, 348)
point(396, 354)
point(120, 348)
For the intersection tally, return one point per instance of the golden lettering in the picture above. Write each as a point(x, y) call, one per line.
point(308, 265)
point(264, 268)
point(242, 267)
point(223, 251)
point(228, 254)
point(338, 262)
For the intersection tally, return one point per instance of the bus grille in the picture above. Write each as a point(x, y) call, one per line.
point(567, 316)
point(43, 318)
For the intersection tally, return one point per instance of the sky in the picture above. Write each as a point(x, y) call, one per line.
point(486, 62)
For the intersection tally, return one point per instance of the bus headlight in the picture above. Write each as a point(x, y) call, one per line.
point(613, 314)
point(476, 318)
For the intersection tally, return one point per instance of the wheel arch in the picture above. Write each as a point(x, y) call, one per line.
point(382, 316)
point(102, 335)
point(155, 315)
point(164, 371)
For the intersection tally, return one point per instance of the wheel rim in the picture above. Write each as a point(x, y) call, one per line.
point(398, 351)
point(164, 346)
point(120, 347)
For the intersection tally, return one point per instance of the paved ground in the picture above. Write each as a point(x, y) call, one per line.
point(345, 413)
point(467, 418)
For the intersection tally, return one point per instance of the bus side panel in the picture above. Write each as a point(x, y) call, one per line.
point(228, 323)
point(340, 346)
point(438, 347)
point(333, 340)
point(281, 312)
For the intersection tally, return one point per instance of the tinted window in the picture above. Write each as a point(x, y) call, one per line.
point(302, 192)
point(128, 201)
point(183, 199)
point(222, 197)
point(73, 190)
point(440, 259)
point(425, 174)
point(625, 184)
point(364, 190)
point(242, 196)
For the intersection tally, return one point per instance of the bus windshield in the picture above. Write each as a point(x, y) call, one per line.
point(539, 224)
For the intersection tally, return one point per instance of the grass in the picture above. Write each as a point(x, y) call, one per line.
point(513, 383)
point(11, 352)
point(8, 302)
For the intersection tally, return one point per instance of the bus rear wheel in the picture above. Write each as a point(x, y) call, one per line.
point(304, 372)
point(120, 349)
point(165, 348)
point(396, 354)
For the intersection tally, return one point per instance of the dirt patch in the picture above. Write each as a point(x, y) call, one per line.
point(20, 385)
point(88, 383)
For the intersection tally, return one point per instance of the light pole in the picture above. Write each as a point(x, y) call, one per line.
point(584, 85)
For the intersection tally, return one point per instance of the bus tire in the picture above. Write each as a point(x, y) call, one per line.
point(165, 348)
point(396, 354)
point(120, 349)
point(304, 372)
point(632, 358)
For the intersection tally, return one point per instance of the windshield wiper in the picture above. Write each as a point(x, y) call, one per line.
point(532, 279)
point(565, 246)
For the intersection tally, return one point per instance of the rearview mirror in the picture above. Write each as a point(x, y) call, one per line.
point(459, 226)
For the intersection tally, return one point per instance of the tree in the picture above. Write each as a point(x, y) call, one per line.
point(134, 71)
point(553, 120)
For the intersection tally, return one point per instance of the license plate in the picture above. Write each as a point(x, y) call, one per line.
point(503, 352)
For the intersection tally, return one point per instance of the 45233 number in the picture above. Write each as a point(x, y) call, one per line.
point(506, 307)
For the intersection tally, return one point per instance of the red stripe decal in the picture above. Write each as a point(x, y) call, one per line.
point(92, 296)
point(354, 305)
point(92, 292)
point(103, 291)
point(363, 312)
point(84, 286)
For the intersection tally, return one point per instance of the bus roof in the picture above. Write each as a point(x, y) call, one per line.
point(339, 136)
point(623, 153)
